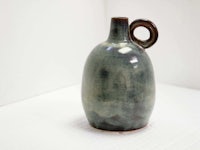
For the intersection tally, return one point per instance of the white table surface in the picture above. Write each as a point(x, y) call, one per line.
point(56, 121)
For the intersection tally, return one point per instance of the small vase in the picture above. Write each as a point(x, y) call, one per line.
point(118, 87)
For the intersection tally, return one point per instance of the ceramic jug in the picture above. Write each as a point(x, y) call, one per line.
point(118, 87)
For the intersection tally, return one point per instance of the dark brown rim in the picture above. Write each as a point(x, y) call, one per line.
point(120, 18)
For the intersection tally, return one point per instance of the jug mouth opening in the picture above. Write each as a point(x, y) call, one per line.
point(120, 18)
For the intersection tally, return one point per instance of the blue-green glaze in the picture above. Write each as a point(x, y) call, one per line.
point(118, 88)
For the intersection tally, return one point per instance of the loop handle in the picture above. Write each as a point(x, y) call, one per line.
point(152, 29)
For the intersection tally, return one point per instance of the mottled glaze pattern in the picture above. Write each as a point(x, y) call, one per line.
point(118, 88)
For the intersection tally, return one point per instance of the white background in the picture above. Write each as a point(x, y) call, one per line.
point(44, 44)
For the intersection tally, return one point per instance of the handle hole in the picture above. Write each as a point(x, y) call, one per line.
point(141, 33)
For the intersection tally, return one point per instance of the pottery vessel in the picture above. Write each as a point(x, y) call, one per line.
point(118, 87)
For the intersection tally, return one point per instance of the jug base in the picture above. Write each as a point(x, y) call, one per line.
point(109, 127)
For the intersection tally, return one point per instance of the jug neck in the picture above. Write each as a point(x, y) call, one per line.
point(119, 30)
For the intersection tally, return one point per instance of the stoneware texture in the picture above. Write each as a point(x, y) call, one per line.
point(118, 88)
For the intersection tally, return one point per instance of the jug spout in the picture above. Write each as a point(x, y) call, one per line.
point(119, 30)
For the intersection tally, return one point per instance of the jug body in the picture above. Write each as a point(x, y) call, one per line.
point(118, 87)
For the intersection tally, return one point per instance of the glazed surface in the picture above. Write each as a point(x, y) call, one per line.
point(118, 88)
